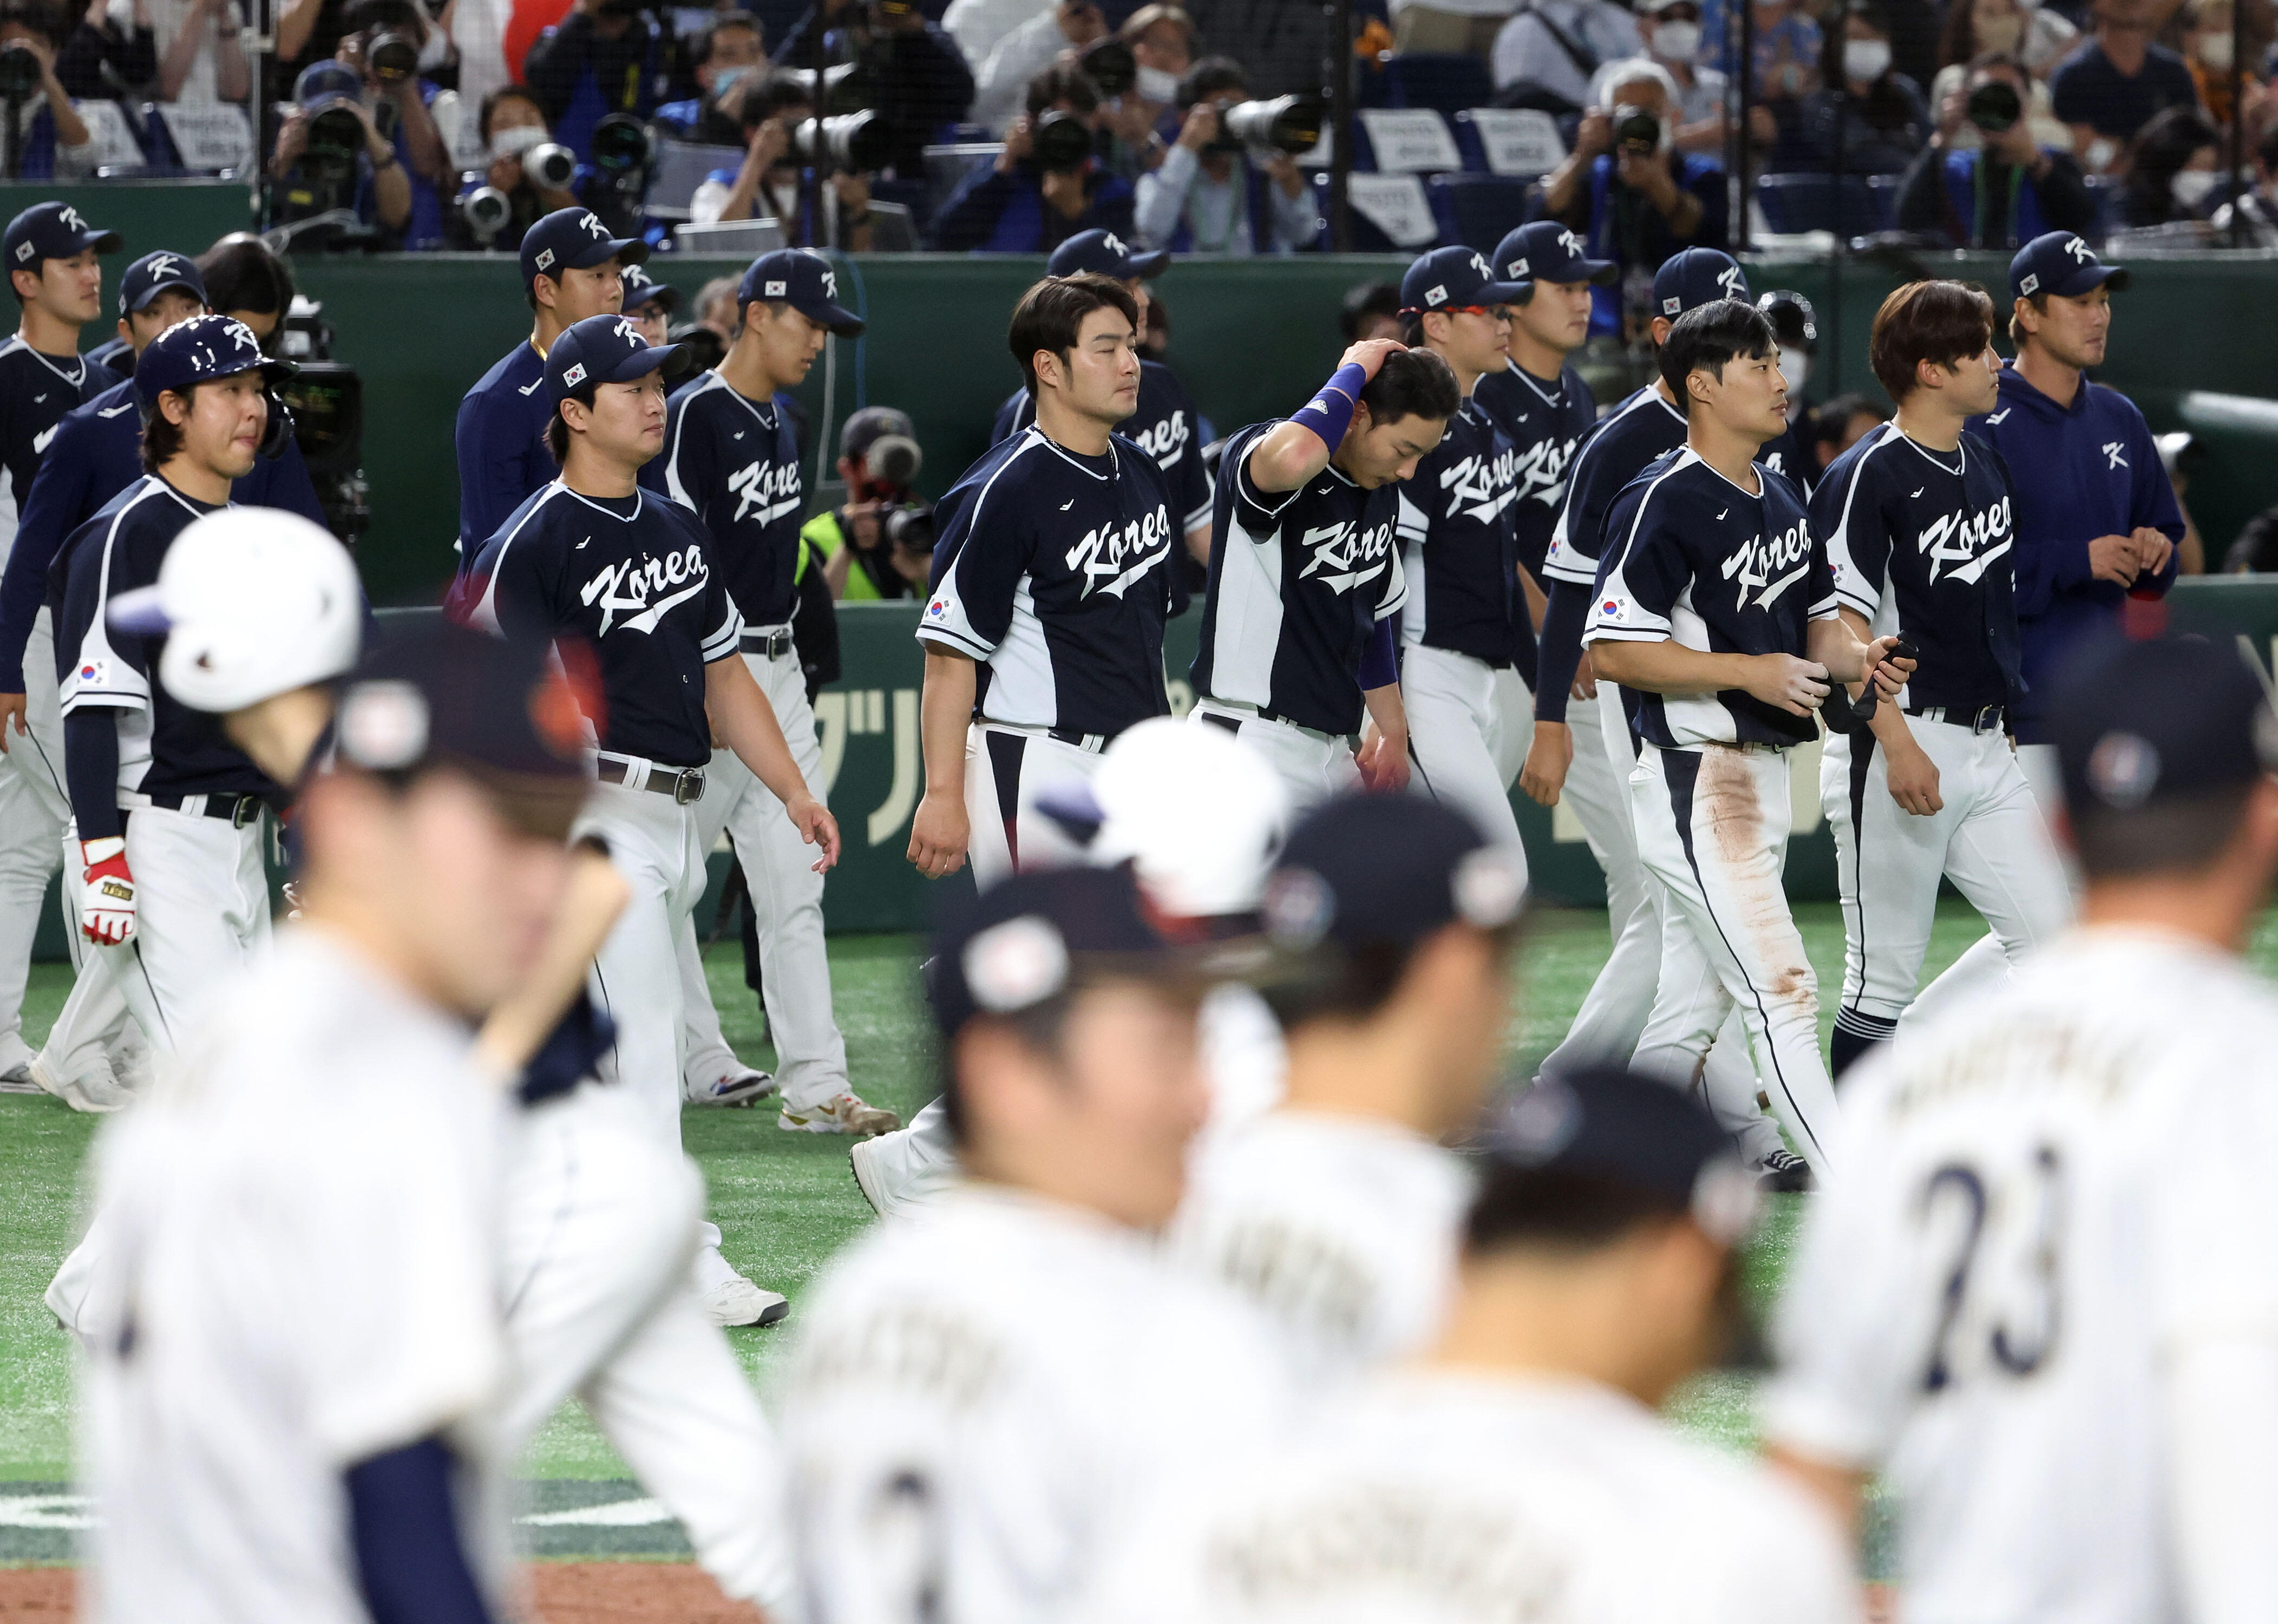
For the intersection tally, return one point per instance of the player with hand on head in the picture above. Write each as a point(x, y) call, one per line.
point(2038, 1304)
point(626, 580)
point(978, 1400)
point(1468, 642)
point(1717, 612)
point(1519, 1467)
point(1918, 524)
point(1043, 636)
point(1305, 579)
point(1336, 1213)
point(731, 457)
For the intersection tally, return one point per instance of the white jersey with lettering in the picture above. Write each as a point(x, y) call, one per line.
point(1342, 1230)
point(982, 1398)
point(1435, 1497)
point(2047, 1198)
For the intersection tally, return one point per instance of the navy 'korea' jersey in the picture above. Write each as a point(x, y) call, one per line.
point(1165, 426)
point(734, 463)
point(1545, 424)
point(1051, 572)
point(1641, 429)
point(36, 391)
point(1298, 580)
point(1693, 559)
point(632, 577)
point(1459, 547)
point(164, 747)
point(1922, 542)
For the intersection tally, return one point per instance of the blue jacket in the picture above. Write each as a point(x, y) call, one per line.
point(2082, 471)
point(501, 440)
point(994, 213)
point(97, 452)
point(1641, 239)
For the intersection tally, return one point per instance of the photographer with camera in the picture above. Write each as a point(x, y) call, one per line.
point(780, 130)
point(731, 59)
point(1046, 186)
point(200, 62)
point(880, 545)
point(1145, 119)
point(529, 175)
point(906, 68)
point(606, 56)
point(1630, 194)
point(107, 51)
point(48, 140)
point(330, 155)
point(1061, 32)
point(2005, 190)
point(1203, 198)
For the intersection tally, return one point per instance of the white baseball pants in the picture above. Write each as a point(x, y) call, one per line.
point(1989, 838)
point(1314, 765)
point(1712, 827)
point(601, 1222)
point(786, 904)
point(1468, 725)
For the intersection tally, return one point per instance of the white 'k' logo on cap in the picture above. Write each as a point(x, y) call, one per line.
point(1729, 280)
point(72, 218)
point(2079, 250)
point(626, 331)
point(1572, 244)
point(161, 266)
point(1435, 295)
point(594, 225)
point(830, 285)
point(1479, 264)
point(1114, 244)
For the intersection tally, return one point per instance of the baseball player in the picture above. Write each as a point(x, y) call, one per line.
point(287, 1401)
point(648, 303)
point(1165, 425)
point(731, 456)
point(1468, 645)
point(2059, 1354)
point(1306, 576)
point(1043, 636)
point(1796, 325)
point(1917, 521)
point(1717, 614)
point(1336, 1213)
point(978, 1400)
point(1518, 1469)
point(624, 579)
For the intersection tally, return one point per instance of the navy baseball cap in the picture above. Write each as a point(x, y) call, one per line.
point(642, 288)
point(603, 349)
point(1545, 251)
point(1032, 936)
point(1453, 278)
point(2062, 264)
point(2137, 723)
point(1387, 870)
point(153, 274)
point(198, 351)
point(871, 425)
point(53, 231)
point(1695, 277)
point(327, 84)
point(1105, 253)
point(805, 282)
point(574, 239)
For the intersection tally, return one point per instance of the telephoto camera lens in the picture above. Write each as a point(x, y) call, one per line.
point(860, 142)
point(550, 165)
point(1290, 123)
point(1063, 142)
point(485, 210)
point(621, 144)
point(335, 137)
point(1110, 64)
point(19, 71)
point(706, 349)
point(393, 58)
point(1636, 130)
point(1995, 106)
point(911, 527)
point(893, 460)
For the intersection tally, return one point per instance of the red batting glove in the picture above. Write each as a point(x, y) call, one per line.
point(106, 913)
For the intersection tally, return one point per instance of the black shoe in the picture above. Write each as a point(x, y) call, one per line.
point(1784, 1173)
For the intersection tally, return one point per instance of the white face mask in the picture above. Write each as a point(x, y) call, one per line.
point(2214, 51)
point(1865, 59)
point(513, 144)
point(1676, 41)
point(1795, 366)
point(723, 80)
point(2191, 187)
point(1156, 85)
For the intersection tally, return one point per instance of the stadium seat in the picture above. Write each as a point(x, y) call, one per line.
point(1367, 238)
point(1446, 83)
point(1478, 211)
point(1818, 202)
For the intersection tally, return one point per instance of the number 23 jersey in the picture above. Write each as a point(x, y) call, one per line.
point(2045, 1199)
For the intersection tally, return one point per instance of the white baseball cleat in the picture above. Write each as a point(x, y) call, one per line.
point(736, 1302)
point(97, 1091)
point(747, 1087)
point(848, 1113)
point(861, 1159)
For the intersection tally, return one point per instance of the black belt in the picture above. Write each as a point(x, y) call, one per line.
point(774, 644)
point(1220, 718)
point(235, 810)
point(1984, 719)
point(683, 784)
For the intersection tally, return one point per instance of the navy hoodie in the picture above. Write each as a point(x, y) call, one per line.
point(2088, 471)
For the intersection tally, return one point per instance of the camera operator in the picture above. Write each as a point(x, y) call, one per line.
point(1057, 32)
point(52, 140)
point(880, 545)
point(1633, 197)
point(390, 42)
point(104, 53)
point(1198, 200)
point(1046, 186)
point(2007, 189)
point(606, 56)
point(771, 183)
point(911, 71)
point(1144, 120)
point(321, 163)
point(731, 59)
point(512, 124)
point(649, 303)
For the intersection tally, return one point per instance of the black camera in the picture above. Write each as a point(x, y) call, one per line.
point(621, 144)
point(706, 350)
point(1290, 123)
point(860, 142)
point(908, 527)
point(335, 138)
point(1637, 131)
point(1995, 106)
point(1110, 64)
point(19, 71)
point(393, 58)
point(323, 402)
point(486, 210)
point(1063, 142)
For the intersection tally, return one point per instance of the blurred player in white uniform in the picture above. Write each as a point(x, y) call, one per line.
point(1336, 1213)
point(978, 1399)
point(2040, 1303)
point(295, 1357)
point(1520, 1470)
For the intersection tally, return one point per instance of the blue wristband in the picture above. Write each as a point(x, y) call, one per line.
point(1329, 413)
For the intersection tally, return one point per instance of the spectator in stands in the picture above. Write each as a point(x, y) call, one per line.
point(2174, 166)
point(308, 31)
point(1546, 56)
point(772, 184)
point(1868, 118)
point(1786, 65)
point(1199, 201)
point(2034, 38)
point(2255, 550)
point(731, 61)
point(510, 123)
point(249, 281)
point(109, 54)
point(1000, 84)
point(1018, 206)
point(1144, 120)
point(2206, 52)
point(649, 303)
point(1840, 423)
point(313, 178)
point(2002, 188)
point(1671, 32)
point(1462, 27)
point(606, 56)
point(1637, 202)
point(410, 124)
point(199, 60)
point(1372, 310)
point(917, 77)
point(2117, 83)
point(715, 307)
point(2260, 206)
point(53, 142)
